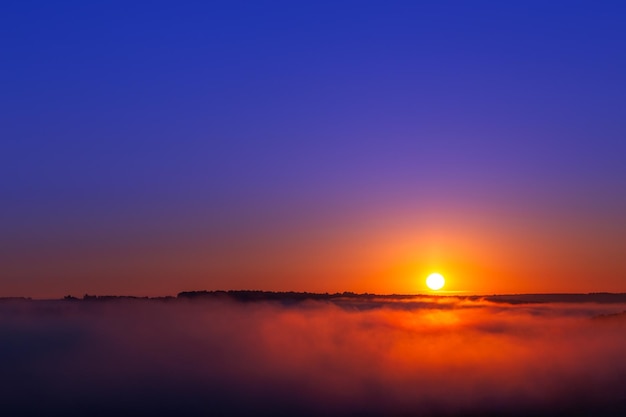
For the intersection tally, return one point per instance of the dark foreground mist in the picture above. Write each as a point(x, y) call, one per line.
point(365, 356)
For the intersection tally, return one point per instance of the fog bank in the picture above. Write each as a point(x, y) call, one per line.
point(417, 357)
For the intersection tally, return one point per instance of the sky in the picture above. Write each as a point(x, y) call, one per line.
point(148, 148)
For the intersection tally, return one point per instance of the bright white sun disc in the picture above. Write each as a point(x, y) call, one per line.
point(435, 281)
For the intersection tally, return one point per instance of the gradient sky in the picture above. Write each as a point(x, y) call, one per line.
point(152, 147)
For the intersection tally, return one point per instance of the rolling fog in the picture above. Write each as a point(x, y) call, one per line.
point(422, 357)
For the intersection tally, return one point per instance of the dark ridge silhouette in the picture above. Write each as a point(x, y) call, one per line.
point(251, 296)
point(283, 297)
point(594, 297)
point(293, 297)
point(88, 297)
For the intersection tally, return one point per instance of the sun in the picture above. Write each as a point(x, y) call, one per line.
point(435, 281)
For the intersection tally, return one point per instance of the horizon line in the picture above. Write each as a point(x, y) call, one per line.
point(183, 294)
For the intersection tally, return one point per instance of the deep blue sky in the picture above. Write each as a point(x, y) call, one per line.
point(126, 123)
